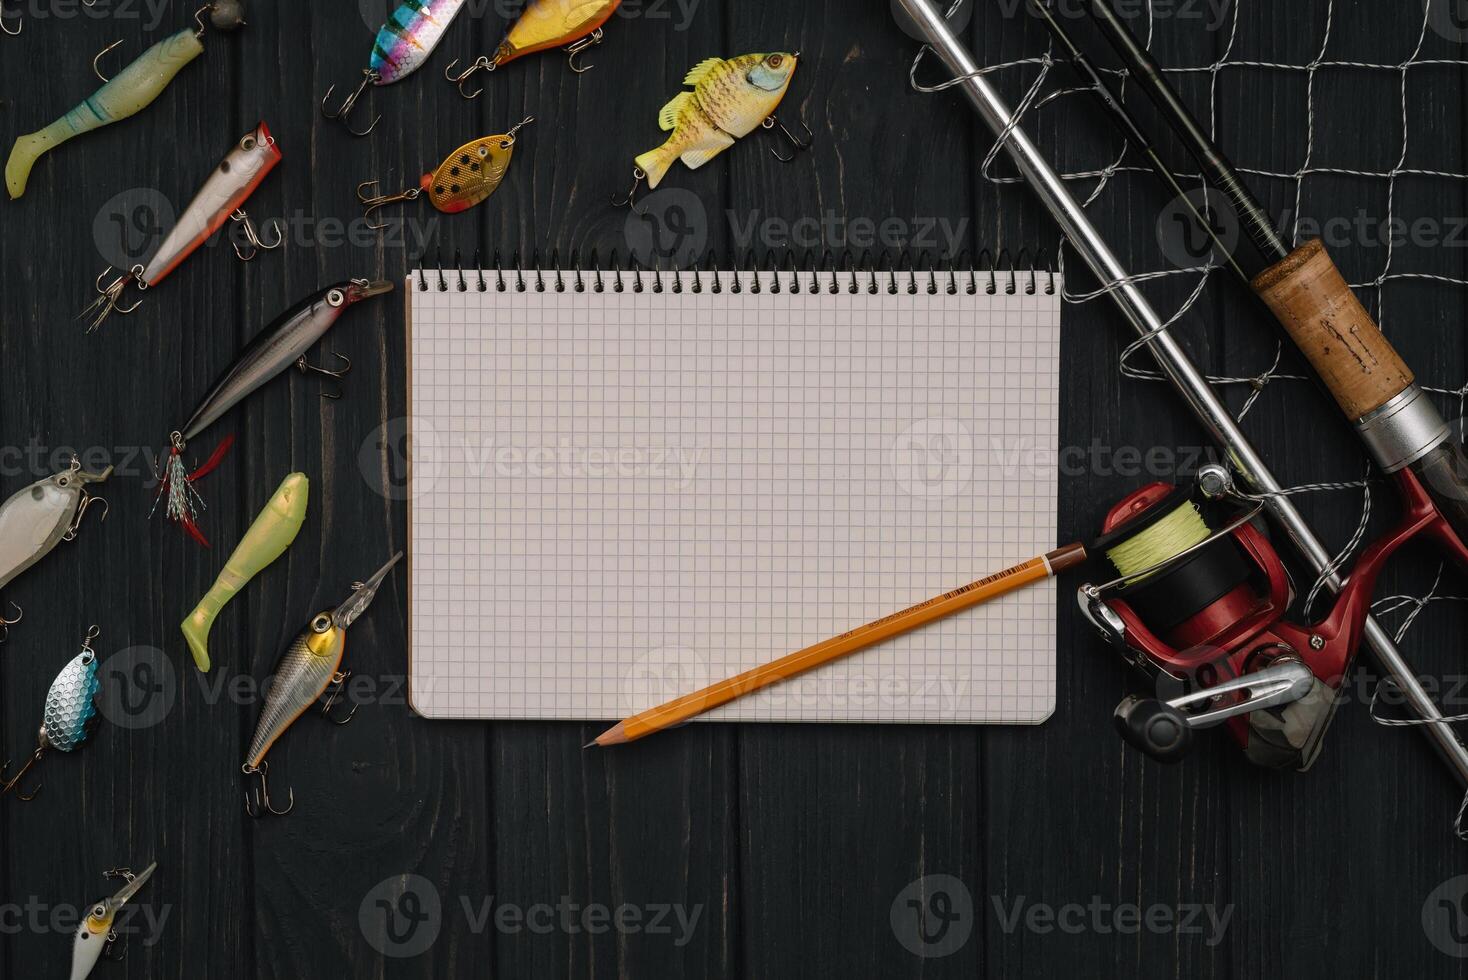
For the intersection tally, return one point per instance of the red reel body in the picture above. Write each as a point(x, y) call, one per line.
point(1235, 627)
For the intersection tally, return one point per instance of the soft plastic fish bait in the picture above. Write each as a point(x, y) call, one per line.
point(132, 90)
point(266, 540)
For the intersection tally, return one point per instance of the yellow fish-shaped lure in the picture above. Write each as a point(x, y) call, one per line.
point(730, 99)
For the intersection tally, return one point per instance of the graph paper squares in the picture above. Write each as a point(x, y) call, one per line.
point(617, 498)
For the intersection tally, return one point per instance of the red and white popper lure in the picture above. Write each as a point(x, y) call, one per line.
point(221, 199)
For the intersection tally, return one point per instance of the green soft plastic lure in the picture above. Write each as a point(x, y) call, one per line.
point(132, 90)
point(265, 541)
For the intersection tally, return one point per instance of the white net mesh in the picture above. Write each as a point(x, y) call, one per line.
point(1047, 79)
point(1042, 79)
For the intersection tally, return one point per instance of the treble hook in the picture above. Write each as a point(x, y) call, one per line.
point(108, 949)
point(797, 145)
point(575, 51)
point(252, 237)
point(76, 522)
point(10, 783)
point(306, 367)
point(372, 201)
point(481, 63)
point(630, 199)
point(369, 77)
point(261, 805)
point(111, 295)
point(339, 680)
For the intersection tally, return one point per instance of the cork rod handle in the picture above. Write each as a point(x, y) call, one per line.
point(1312, 301)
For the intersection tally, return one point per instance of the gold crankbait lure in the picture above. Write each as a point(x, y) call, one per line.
point(309, 666)
point(575, 25)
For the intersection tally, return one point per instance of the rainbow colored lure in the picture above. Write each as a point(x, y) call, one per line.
point(403, 45)
point(544, 24)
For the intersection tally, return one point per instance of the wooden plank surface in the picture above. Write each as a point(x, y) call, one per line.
point(760, 851)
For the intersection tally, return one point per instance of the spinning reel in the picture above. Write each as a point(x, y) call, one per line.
point(1202, 612)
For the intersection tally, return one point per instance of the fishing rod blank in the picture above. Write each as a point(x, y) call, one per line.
point(1310, 298)
point(1084, 237)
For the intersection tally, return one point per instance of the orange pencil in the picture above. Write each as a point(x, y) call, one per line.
point(681, 709)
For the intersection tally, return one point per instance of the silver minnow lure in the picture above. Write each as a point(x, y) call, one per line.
point(70, 711)
point(95, 933)
point(277, 347)
point(35, 520)
point(310, 665)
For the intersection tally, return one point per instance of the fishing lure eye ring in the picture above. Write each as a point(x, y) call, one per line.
point(775, 60)
point(322, 623)
point(335, 298)
point(99, 911)
point(248, 143)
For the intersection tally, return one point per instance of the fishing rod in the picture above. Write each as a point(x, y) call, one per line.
point(1374, 387)
point(1088, 243)
point(1096, 84)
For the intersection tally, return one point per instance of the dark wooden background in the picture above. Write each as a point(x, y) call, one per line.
point(791, 841)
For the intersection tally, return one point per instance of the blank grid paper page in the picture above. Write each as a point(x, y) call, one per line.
point(620, 497)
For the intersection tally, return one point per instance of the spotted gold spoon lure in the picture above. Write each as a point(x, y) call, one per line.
point(467, 177)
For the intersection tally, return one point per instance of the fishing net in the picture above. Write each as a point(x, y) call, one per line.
point(1307, 62)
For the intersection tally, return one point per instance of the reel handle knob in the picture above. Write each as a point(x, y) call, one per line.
point(1155, 727)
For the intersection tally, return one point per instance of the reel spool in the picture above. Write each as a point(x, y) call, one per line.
point(1198, 605)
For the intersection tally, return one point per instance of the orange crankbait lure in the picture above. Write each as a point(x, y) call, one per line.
point(544, 24)
point(466, 178)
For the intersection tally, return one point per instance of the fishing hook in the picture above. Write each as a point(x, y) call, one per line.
point(339, 680)
point(481, 63)
point(252, 237)
point(127, 876)
point(797, 145)
point(76, 522)
point(19, 27)
point(199, 18)
point(369, 77)
point(96, 70)
point(108, 302)
point(630, 199)
point(372, 201)
point(261, 802)
point(575, 51)
point(5, 624)
point(10, 783)
point(306, 367)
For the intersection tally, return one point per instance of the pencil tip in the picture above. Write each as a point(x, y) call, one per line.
point(589, 744)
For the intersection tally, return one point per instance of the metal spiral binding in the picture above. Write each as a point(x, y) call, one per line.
point(1026, 270)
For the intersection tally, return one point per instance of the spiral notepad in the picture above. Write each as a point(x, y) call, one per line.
point(625, 487)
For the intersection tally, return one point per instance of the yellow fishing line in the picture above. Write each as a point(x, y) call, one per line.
point(1165, 539)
